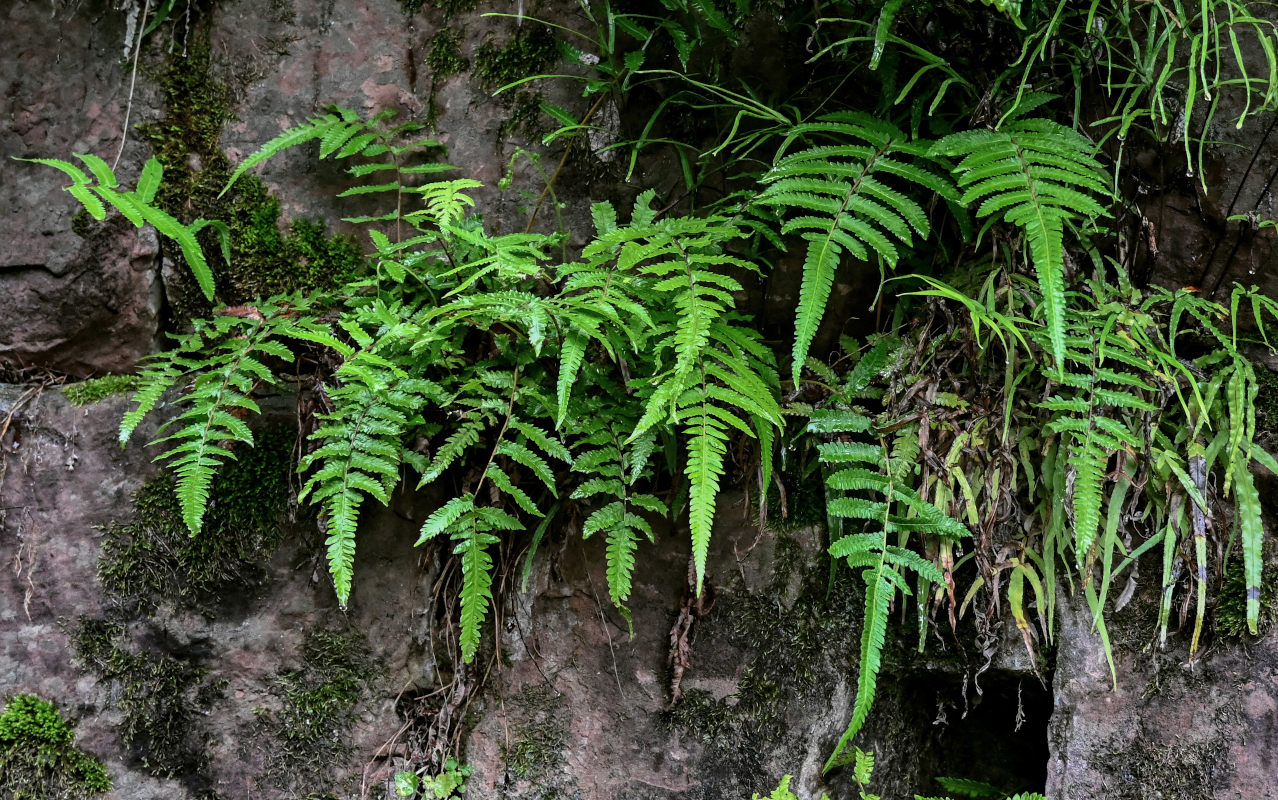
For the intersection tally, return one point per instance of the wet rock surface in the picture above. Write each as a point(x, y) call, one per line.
point(573, 705)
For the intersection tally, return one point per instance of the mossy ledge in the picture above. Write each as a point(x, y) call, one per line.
point(38, 756)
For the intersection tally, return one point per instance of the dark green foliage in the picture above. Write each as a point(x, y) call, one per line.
point(532, 49)
point(38, 756)
point(444, 56)
point(154, 558)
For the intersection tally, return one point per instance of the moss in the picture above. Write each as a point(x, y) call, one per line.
point(450, 8)
point(82, 393)
point(1230, 618)
point(789, 649)
point(83, 224)
point(317, 701)
point(264, 259)
point(444, 57)
point(38, 756)
point(161, 698)
point(153, 558)
point(532, 50)
point(1267, 400)
point(804, 503)
point(537, 733)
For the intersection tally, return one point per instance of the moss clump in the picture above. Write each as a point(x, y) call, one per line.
point(450, 7)
point(445, 57)
point(537, 733)
point(532, 50)
point(83, 224)
point(38, 757)
point(154, 558)
point(789, 649)
point(318, 699)
point(82, 393)
point(161, 698)
point(1267, 400)
point(264, 260)
point(804, 503)
point(1231, 607)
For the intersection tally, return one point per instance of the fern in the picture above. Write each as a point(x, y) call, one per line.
point(841, 200)
point(137, 207)
point(869, 486)
point(614, 469)
point(358, 451)
point(718, 378)
point(1039, 176)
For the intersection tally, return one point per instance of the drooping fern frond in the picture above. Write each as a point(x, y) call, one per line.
point(227, 372)
point(847, 199)
point(359, 451)
point(1037, 175)
point(137, 207)
point(715, 378)
point(868, 486)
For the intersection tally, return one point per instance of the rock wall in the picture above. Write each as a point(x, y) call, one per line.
point(568, 703)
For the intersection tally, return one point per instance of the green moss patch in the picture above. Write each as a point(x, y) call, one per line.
point(83, 393)
point(531, 51)
point(318, 699)
point(154, 558)
point(537, 733)
point(162, 698)
point(264, 259)
point(38, 756)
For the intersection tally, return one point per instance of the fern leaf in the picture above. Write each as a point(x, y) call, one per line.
point(1251, 525)
point(477, 581)
point(1040, 175)
point(314, 128)
point(444, 517)
point(707, 445)
point(1089, 463)
point(878, 595)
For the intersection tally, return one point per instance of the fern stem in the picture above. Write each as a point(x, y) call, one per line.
point(505, 425)
point(541, 199)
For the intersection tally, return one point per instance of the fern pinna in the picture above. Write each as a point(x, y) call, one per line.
point(1039, 176)
point(847, 198)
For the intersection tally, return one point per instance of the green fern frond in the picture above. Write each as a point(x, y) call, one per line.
point(1039, 176)
point(331, 129)
point(358, 452)
point(855, 212)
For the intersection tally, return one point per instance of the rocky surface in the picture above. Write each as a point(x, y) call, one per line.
point(1166, 729)
point(83, 297)
point(573, 705)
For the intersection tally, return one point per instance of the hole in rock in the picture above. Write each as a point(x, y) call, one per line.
point(1002, 740)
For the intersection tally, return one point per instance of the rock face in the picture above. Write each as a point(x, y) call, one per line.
point(567, 703)
point(1166, 730)
point(84, 297)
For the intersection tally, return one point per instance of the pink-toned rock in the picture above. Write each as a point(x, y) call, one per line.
point(75, 304)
